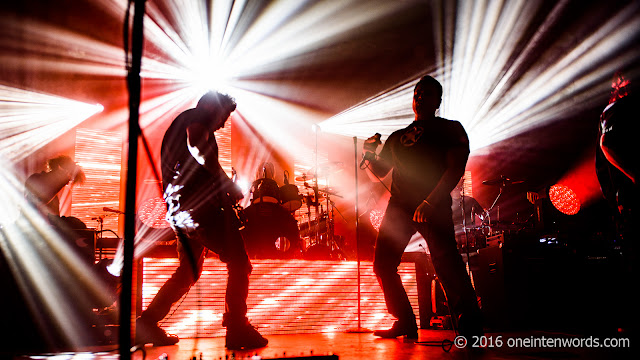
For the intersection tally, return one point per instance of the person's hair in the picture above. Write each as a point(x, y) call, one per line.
point(59, 162)
point(428, 82)
point(217, 101)
point(64, 161)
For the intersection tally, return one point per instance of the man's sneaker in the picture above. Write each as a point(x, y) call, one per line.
point(147, 333)
point(398, 329)
point(242, 335)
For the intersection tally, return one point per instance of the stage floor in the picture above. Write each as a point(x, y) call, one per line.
point(358, 346)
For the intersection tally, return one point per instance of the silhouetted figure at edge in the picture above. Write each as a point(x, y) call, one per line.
point(199, 197)
point(42, 189)
point(618, 169)
point(428, 158)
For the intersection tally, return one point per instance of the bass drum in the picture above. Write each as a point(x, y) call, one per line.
point(290, 197)
point(271, 232)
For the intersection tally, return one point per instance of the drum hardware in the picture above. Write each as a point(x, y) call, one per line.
point(325, 190)
point(502, 182)
point(319, 232)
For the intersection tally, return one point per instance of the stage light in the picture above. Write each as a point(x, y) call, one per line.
point(152, 213)
point(564, 199)
point(495, 89)
point(57, 49)
point(244, 185)
point(54, 277)
point(29, 120)
point(286, 32)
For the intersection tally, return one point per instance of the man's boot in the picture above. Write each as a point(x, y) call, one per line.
point(149, 332)
point(241, 334)
point(407, 329)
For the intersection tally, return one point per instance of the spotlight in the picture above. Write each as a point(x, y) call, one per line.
point(31, 120)
point(152, 213)
point(564, 199)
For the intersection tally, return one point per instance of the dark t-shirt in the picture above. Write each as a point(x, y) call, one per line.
point(180, 169)
point(418, 155)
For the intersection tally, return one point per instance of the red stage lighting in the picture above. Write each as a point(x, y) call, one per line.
point(152, 213)
point(564, 199)
point(375, 216)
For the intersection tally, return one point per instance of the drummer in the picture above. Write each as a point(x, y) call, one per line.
point(270, 231)
point(265, 188)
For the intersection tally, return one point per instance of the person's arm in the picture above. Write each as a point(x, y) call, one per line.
point(43, 187)
point(203, 148)
point(377, 166)
point(200, 147)
point(456, 162)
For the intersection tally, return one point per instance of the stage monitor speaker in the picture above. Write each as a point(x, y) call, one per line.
point(489, 280)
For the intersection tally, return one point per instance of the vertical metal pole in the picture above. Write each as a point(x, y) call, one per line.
point(359, 329)
point(355, 151)
point(134, 86)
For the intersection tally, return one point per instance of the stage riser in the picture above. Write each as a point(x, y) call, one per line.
point(285, 296)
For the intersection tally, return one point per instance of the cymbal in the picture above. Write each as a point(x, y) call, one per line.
point(501, 181)
point(304, 177)
point(325, 190)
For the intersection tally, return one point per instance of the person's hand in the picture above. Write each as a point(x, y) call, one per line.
point(371, 144)
point(423, 212)
point(235, 193)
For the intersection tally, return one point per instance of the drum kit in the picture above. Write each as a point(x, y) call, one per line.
point(476, 222)
point(284, 222)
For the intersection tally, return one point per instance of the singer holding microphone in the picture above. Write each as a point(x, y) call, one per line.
point(428, 158)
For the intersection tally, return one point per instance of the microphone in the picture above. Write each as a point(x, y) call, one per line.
point(370, 147)
point(367, 156)
point(112, 210)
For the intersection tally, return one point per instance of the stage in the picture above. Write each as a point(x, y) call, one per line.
point(359, 346)
point(309, 310)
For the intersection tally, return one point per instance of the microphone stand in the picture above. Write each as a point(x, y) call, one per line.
point(359, 329)
point(315, 190)
point(134, 87)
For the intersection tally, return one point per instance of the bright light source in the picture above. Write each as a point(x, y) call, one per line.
point(29, 120)
point(496, 89)
point(45, 265)
point(564, 199)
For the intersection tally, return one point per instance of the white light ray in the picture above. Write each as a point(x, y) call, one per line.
point(481, 88)
point(45, 266)
point(285, 125)
point(57, 49)
point(321, 24)
point(30, 120)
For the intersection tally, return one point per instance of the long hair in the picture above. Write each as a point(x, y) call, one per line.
point(65, 162)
